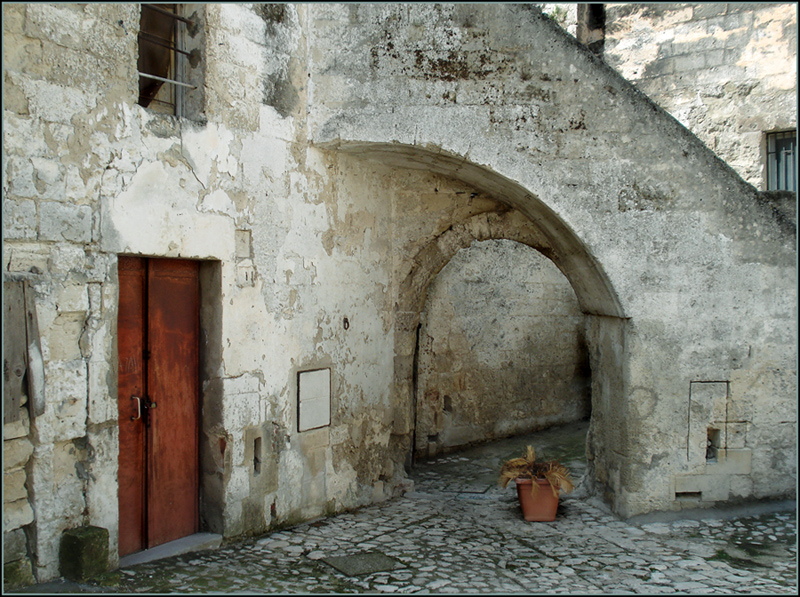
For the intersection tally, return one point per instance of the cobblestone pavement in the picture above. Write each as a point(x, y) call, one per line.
point(458, 532)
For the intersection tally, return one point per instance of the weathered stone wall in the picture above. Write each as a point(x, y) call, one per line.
point(685, 274)
point(501, 349)
point(17, 512)
point(89, 175)
point(728, 72)
point(61, 79)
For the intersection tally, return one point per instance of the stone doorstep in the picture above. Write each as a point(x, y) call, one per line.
point(192, 543)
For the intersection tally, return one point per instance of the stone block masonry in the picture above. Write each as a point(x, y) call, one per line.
point(727, 72)
point(17, 511)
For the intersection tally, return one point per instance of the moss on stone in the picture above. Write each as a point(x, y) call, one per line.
point(84, 553)
point(17, 574)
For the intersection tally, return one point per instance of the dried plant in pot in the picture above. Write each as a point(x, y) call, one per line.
point(538, 484)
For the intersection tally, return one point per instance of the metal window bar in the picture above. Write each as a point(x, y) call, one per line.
point(160, 41)
point(164, 80)
point(174, 47)
point(781, 165)
point(169, 13)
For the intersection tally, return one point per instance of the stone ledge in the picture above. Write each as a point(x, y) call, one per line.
point(192, 543)
point(731, 462)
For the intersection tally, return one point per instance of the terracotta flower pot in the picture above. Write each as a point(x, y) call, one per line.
point(539, 508)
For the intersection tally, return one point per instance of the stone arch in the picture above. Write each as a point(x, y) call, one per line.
point(531, 221)
point(703, 266)
point(423, 269)
point(528, 221)
point(501, 345)
point(549, 234)
point(429, 261)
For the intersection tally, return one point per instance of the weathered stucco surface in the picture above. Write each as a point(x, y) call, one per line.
point(345, 155)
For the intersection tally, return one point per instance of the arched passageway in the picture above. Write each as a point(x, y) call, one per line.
point(522, 217)
point(543, 228)
point(501, 349)
point(530, 222)
point(604, 335)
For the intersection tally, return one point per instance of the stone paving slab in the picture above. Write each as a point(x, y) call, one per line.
point(443, 542)
point(358, 564)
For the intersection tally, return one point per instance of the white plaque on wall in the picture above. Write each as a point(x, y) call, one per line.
point(313, 399)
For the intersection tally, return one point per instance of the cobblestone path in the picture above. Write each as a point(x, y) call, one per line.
point(458, 532)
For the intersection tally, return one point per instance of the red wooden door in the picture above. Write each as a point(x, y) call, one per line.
point(158, 343)
point(131, 390)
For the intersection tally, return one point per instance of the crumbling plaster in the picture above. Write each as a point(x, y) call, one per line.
point(682, 271)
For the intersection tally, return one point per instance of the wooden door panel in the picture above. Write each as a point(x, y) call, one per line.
point(173, 332)
point(131, 380)
point(158, 344)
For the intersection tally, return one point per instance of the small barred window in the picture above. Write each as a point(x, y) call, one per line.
point(781, 161)
point(170, 57)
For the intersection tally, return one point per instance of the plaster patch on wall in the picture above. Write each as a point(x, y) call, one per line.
point(156, 214)
point(208, 149)
point(219, 202)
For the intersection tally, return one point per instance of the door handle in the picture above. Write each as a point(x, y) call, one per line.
point(138, 408)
